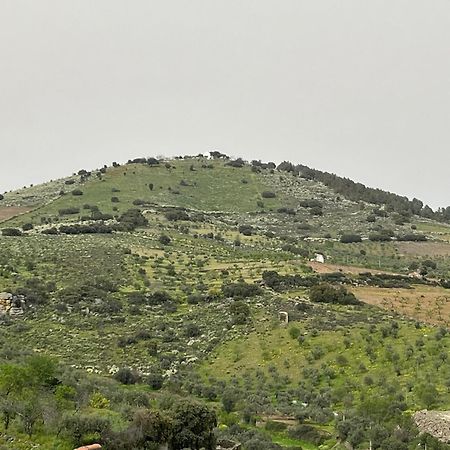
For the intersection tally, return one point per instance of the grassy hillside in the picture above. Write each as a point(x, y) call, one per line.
point(188, 301)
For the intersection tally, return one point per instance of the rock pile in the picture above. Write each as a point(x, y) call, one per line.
point(436, 423)
point(226, 444)
point(11, 305)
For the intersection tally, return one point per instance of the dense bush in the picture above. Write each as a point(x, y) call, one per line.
point(69, 211)
point(77, 192)
point(349, 238)
point(240, 290)
point(327, 293)
point(412, 237)
point(11, 232)
point(268, 194)
point(240, 312)
point(239, 162)
point(176, 214)
point(164, 239)
point(85, 229)
point(132, 219)
point(126, 376)
point(159, 298)
point(246, 230)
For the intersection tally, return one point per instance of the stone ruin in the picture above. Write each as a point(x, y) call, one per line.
point(436, 423)
point(11, 305)
point(283, 316)
point(226, 444)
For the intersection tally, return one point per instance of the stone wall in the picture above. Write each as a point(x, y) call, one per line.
point(11, 305)
point(436, 423)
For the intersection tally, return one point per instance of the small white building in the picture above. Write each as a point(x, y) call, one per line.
point(319, 257)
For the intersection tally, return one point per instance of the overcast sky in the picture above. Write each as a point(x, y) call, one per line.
point(359, 88)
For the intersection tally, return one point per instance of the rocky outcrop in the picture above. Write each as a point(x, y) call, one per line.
point(436, 423)
point(226, 444)
point(11, 305)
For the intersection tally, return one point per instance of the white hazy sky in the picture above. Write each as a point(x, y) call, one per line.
point(359, 88)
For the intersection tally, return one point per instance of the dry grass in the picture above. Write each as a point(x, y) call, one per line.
point(332, 268)
point(424, 248)
point(8, 212)
point(425, 303)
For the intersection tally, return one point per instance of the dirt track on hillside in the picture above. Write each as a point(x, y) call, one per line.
point(7, 212)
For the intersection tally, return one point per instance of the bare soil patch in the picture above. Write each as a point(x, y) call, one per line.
point(8, 212)
point(425, 303)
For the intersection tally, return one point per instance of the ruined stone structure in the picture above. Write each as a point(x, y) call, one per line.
point(283, 316)
point(11, 305)
point(226, 444)
point(436, 423)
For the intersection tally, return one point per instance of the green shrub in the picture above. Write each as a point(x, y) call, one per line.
point(327, 293)
point(11, 232)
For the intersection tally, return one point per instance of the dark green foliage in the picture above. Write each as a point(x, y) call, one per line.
point(246, 230)
point(69, 211)
point(51, 230)
point(132, 219)
point(279, 282)
point(349, 238)
point(27, 226)
point(98, 215)
point(316, 211)
point(85, 229)
point(191, 329)
point(276, 427)
point(177, 214)
point(126, 375)
point(308, 433)
point(381, 236)
point(192, 426)
point(152, 162)
point(164, 239)
point(268, 194)
point(85, 425)
point(412, 237)
point(296, 250)
point(240, 312)
point(77, 192)
point(155, 380)
point(358, 192)
point(159, 298)
point(236, 163)
point(327, 293)
point(240, 290)
point(11, 232)
point(36, 291)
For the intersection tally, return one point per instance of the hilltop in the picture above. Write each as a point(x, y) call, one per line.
point(302, 309)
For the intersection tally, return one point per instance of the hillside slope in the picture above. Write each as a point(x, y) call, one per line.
point(206, 290)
